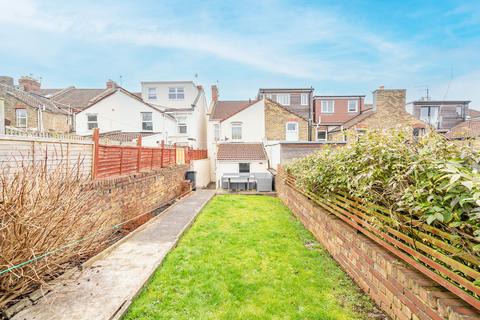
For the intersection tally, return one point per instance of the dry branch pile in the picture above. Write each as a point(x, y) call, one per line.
point(49, 222)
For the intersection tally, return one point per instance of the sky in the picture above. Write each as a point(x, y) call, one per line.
point(337, 47)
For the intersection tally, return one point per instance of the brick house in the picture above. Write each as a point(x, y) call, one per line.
point(26, 110)
point(332, 111)
point(441, 115)
point(298, 101)
point(388, 111)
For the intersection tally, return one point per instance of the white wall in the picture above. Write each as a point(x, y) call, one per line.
point(162, 88)
point(253, 128)
point(202, 167)
point(120, 111)
point(222, 167)
point(273, 152)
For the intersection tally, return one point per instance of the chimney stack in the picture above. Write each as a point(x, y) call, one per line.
point(111, 84)
point(6, 80)
point(29, 84)
point(388, 101)
point(214, 93)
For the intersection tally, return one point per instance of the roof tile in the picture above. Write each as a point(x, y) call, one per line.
point(241, 151)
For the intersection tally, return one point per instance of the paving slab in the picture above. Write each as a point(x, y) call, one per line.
point(105, 288)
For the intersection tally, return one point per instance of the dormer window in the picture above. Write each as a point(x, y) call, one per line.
point(152, 93)
point(177, 93)
point(352, 105)
point(283, 99)
point(304, 99)
point(328, 106)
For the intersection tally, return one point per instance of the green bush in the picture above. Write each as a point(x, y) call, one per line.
point(429, 178)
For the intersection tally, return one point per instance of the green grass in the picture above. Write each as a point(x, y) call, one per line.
point(247, 257)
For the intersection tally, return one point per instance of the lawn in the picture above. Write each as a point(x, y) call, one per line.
point(247, 257)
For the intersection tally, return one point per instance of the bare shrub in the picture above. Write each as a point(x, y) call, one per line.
point(49, 221)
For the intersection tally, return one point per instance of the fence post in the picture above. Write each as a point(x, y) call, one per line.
point(139, 153)
point(96, 142)
point(175, 154)
point(162, 147)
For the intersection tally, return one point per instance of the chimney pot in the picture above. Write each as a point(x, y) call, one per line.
point(382, 87)
point(111, 84)
point(29, 84)
point(214, 93)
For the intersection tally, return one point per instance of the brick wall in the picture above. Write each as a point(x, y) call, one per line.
point(276, 118)
point(129, 196)
point(389, 112)
point(399, 290)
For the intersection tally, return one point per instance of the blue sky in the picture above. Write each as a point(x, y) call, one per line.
point(338, 47)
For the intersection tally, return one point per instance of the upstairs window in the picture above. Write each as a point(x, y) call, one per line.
point(269, 96)
point(182, 125)
point(304, 99)
point(429, 114)
point(321, 135)
point(236, 131)
point(152, 93)
point(21, 118)
point(328, 106)
point(147, 121)
point(216, 132)
point(283, 99)
point(352, 105)
point(177, 93)
point(92, 121)
point(459, 111)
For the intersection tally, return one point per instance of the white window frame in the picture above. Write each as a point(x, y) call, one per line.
point(283, 99)
point(152, 93)
point(182, 123)
point(356, 106)
point(304, 99)
point(326, 135)
point(19, 118)
point(216, 131)
point(142, 114)
point(236, 125)
point(89, 122)
point(176, 93)
point(296, 130)
point(326, 104)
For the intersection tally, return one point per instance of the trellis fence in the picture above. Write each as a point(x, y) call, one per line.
point(445, 258)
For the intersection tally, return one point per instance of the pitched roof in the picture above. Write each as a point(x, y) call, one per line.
point(473, 113)
point(358, 118)
point(34, 100)
point(125, 136)
point(223, 110)
point(465, 129)
point(78, 99)
point(241, 151)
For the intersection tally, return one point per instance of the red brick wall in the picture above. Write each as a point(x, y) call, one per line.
point(129, 196)
point(399, 290)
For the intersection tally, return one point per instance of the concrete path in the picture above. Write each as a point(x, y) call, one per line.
point(104, 289)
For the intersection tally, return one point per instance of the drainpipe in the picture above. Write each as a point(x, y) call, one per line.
point(2, 116)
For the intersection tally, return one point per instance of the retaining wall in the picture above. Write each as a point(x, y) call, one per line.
point(399, 290)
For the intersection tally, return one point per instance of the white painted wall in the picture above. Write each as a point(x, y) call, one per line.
point(273, 153)
point(120, 111)
point(233, 167)
point(253, 128)
point(202, 167)
point(196, 135)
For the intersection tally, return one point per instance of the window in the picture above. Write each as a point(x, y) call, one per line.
point(176, 93)
point(21, 117)
point(304, 99)
point(216, 132)
point(321, 135)
point(269, 96)
point(429, 114)
point(328, 106)
point(147, 122)
point(236, 131)
point(152, 93)
point(182, 125)
point(352, 105)
point(459, 111)
point(244, 167)
point(291, 132)
point(283, 99)
point(92, 121)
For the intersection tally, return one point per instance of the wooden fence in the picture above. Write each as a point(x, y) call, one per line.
point(116, 160)
point(445, 258)
point(17, 151)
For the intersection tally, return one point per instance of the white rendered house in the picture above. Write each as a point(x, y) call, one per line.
point(120, 110)
point(187, 103)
